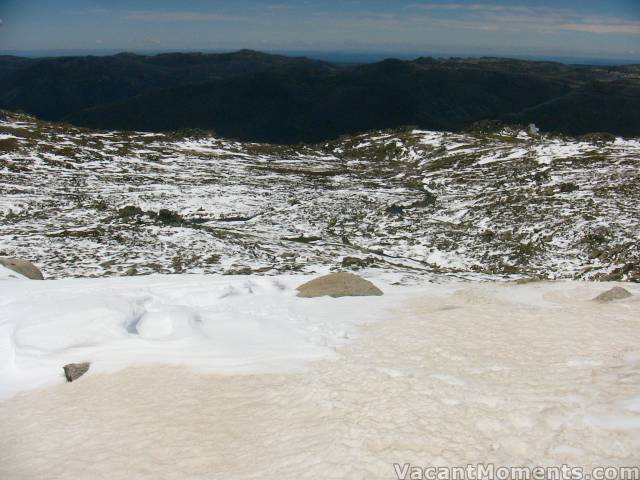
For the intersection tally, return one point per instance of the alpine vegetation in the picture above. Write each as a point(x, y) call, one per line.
point(492, 202)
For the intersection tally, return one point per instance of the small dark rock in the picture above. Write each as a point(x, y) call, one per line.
point(73, 371)
point(302, 239)
point(130, 211)
point(239, 271)
point(541, 177)
point(131, 272)
point(237, 218)
point(509, 269)
point(169, 217)
point(597, 236)
point(356, 262)
point(211, 259)
point(395, 210)
point(487, 235)
point(568, 187)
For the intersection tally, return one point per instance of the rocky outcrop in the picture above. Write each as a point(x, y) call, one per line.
point(356, 262)
point(23, 267)
point(616, 293)
point(73, 371)
point(340, 284)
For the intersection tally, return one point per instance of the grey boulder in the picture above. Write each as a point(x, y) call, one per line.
point(23, 267)
point(340, 284)
point(616, 293)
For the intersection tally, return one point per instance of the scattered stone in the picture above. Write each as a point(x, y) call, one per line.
point(23, 267)
point(73, 371)
point(101, 205)
point(131, 272)
point(130, 211)
point(510, 269)
point(336, 285)
point(237, 218)
point(597, 236)
point(568, 187)
point(212, 259)
point(487, 235)
point(395, 210)
point(169, 217)
point(302, 239)
point(616, 293)
point(239, 270)
point(356, 262)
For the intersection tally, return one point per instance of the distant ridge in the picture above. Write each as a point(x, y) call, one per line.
point(256, 96)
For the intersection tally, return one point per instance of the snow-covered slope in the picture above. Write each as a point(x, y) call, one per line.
point(453, 373)
point(515, 375)
point(483, 204)
point(230, 324)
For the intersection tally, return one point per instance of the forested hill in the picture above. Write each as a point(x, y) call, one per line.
point(254, 96)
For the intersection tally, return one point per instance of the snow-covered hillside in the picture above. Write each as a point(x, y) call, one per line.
point(484, 204)
point(233, 375)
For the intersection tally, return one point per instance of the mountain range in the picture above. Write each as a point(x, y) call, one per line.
point(253, 96)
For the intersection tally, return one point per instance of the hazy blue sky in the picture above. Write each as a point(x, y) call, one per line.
point(538, 27)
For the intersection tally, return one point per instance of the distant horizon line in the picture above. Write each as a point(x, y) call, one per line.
point(334, 56)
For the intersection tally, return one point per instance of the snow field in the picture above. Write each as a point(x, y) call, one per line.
point(533, 374)
point(220, 323)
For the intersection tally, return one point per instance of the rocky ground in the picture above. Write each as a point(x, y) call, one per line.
point(491, 203)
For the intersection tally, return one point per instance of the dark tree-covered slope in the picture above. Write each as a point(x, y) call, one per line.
point(260, 97)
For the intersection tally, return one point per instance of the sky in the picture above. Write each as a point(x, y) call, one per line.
point(580, 28)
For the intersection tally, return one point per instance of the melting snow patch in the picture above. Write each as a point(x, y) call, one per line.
point(219, 323)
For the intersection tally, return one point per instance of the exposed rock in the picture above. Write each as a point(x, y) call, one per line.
point(236, 218)
point(340, 284)
point(23, 267)
point(356, 262)
point(239, 271)
point(302, 239)
point(131, 272)
point(616, 293)
point(169, 217)
point(395, 210)
point(568, 187)
point(130, 211)
point(73, 371)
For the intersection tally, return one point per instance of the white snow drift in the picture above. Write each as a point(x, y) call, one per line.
point(220, 323)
